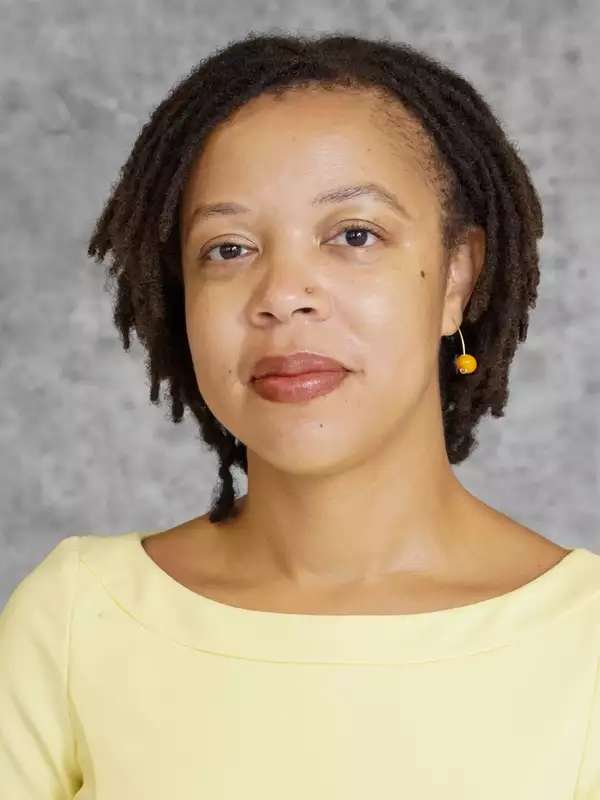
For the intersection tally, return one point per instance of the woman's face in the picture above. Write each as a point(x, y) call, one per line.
point(377, 305)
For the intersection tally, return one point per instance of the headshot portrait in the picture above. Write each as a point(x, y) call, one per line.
point(348, 256)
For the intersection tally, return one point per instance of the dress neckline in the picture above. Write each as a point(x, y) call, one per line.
point(161, 602)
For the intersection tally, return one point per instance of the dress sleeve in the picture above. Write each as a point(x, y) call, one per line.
point(38, 759)
point(588, 783)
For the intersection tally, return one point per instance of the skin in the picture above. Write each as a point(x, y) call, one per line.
point(351, 497)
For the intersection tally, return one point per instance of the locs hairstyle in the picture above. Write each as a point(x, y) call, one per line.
point(481, 179)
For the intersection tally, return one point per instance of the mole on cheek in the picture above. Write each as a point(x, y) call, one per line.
point(422, 274)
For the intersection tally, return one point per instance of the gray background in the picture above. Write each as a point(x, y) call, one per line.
point(82, 448)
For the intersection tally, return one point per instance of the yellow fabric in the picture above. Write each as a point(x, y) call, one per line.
point(118, 683)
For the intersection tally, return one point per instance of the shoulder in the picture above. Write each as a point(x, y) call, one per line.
point(48, 591)
point(51, 580)
point(35, 621)
point(61, 559)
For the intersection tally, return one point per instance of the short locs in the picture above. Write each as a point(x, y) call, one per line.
point(481, 179)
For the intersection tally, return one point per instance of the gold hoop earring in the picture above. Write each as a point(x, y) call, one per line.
point(465, 363)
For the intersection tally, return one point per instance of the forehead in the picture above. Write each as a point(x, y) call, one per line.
point(309, 139)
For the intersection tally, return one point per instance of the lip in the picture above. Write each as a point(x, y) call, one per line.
point(298, 388)
point(289, 364)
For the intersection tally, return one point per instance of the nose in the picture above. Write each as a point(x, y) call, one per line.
point(282, 302)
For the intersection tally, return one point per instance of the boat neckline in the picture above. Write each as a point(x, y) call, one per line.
point(162, 605)
point(524, 589)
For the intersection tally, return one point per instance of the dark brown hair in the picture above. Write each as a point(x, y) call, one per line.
point(481, 177)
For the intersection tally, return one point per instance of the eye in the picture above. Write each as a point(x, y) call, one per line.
point(352, 226)
point(219, 247)
point(363, 229)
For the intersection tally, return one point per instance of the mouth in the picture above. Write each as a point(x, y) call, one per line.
point(300, 387)
point(292, 364)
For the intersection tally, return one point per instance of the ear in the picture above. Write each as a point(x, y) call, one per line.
point(463, 271)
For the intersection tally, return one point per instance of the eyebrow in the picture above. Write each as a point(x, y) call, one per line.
point(338, 195)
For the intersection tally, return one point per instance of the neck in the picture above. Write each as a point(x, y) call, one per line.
point(401, 509)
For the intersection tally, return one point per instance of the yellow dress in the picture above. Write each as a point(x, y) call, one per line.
point(119, 683)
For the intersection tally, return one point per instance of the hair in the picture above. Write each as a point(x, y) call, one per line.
point(481, 178)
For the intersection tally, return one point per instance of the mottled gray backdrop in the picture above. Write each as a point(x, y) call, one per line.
point(82, 448)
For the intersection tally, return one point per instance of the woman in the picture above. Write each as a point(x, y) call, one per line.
point(301, 230)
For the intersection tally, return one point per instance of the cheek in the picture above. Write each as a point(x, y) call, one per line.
point(399, 352)
point(396, 323)
point(214, 347)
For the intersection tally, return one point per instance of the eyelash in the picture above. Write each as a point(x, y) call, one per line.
point(349, 227)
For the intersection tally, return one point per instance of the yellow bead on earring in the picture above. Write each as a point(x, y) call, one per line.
point(465, 363)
